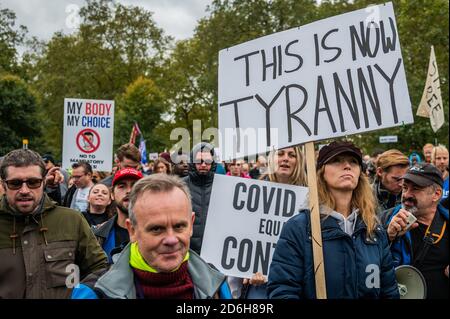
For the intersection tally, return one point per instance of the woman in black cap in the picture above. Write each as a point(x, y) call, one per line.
point(357, 259)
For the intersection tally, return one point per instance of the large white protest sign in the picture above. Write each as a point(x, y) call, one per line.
point(245, 218)
point(88, 133)
point(334, 77)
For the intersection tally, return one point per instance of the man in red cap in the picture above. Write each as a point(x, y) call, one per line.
point(113, 234)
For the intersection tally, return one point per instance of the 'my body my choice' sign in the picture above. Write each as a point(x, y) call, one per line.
point(88, 133)
point(245, 218)
point(338, 76)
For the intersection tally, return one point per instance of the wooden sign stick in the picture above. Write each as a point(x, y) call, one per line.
point(316, 233)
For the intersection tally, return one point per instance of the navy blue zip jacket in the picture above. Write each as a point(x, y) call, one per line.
point(401, 247)
point(355, 266)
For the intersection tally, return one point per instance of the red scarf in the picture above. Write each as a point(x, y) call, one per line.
point(171, 285)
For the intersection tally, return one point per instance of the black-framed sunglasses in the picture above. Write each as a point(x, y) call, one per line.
point(201, 161)
point(32, 183)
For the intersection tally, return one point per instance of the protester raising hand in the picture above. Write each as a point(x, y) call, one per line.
point(54, 177)
point(398, 225)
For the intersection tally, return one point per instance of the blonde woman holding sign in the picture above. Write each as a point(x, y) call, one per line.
point(358, 262)
point(286, 166)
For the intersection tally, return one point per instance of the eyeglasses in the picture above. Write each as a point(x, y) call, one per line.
point(32, 183)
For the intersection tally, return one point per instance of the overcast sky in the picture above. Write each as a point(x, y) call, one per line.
point(178, 18)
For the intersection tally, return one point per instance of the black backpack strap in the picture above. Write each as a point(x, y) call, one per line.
point(426, 244)
point(428, 240)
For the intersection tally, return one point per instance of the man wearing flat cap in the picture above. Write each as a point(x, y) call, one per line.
point(425, 244)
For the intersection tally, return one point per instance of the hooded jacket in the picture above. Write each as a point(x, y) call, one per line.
point(200, 187)
point(119, 281)
point(40, 252)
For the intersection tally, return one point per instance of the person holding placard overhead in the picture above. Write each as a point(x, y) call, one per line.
point(357, 260)
point(286, 166)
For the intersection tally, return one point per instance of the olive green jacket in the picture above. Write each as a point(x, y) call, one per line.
point(49, 248)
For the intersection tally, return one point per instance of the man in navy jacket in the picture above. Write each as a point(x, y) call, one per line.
point(425, 244)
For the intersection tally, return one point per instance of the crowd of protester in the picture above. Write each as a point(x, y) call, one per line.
point(137, 232)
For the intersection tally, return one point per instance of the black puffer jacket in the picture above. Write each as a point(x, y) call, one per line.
point(200, 187)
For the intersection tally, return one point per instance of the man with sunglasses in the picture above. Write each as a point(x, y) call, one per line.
point(45, 250)
point(199, 181)
point(423, 245)
point(77, 196)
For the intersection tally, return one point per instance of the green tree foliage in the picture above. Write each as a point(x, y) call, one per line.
point(114, 46)
point(118, 49)
point(420, 25)
point(142, 102)
point(185, 95)
point(191, 71)
point(289, 14)
point(10, 39)
point(131, 42)
point(17, 114)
